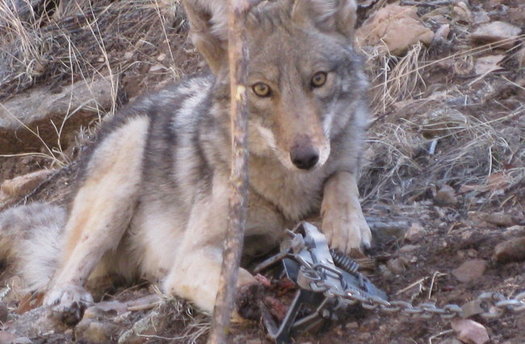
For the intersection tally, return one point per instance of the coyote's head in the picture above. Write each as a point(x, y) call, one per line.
point(304, 77)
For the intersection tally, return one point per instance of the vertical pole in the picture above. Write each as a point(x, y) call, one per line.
point(238, 62)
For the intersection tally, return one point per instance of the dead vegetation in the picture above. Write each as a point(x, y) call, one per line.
point(91, 56)
point(62, 42)
point(446, 147)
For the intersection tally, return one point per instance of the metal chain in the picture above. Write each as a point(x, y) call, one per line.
point(488, 305)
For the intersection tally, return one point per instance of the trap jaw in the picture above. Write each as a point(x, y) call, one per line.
point(325, 280)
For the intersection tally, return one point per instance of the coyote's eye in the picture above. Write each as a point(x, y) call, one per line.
point(319, 79)
point(261, 89)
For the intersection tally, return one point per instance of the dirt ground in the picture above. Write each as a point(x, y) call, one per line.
point(443, 185)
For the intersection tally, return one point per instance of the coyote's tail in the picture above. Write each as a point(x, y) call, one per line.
point(30, 237)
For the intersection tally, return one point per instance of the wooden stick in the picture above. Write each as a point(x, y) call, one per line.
point(238, 61)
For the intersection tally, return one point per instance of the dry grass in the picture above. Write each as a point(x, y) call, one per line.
point(394, 78)
point(80, 41)
point(421, 137)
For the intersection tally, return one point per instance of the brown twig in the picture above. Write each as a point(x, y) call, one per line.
point(238, 60)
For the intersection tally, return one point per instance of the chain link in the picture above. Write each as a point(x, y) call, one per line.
point(493, 305)
point(488, 305)
point(319, 274)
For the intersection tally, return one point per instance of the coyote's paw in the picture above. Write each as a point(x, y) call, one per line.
point(346, 231)
point(68, 303)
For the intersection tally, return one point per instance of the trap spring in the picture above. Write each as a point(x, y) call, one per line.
point(329, 284)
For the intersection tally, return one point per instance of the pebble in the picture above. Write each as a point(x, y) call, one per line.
point(408, 248)
point(494, 32)
point(397, 27)
point(95, 332)
point(415, 232)
point(470, 270)
point(446, 196)
point(396, 265)
point(512, 250)
point(470, 332)
point(499, 219)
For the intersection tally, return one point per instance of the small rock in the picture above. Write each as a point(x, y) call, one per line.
point(396, 27)
point(385, 272)
point(470, 270)
point(384, 231)
point(481, 17)
point(463, 12)
point(514, 231)
point(442, 32)
point(487, 64)
point(512, 250)
point(408, 248)
point(94, 331)
point(462, 254)
point(446, 196)
point(499, 219)
point(415, 232)
point(470, 332)
point(495, 219)
point(157, 68)
point(495, 32)
point(352, 325)
point(396, 265)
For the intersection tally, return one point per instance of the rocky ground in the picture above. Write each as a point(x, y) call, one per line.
point(443, 186)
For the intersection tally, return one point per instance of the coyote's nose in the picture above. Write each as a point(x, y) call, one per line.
point(304, 157)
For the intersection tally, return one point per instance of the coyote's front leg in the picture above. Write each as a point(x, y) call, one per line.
point(343, 221)
point(195, 273)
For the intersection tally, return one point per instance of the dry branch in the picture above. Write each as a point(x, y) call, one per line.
point(238, 60)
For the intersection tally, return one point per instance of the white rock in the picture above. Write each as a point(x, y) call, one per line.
point(496, 31)
point(470, 332)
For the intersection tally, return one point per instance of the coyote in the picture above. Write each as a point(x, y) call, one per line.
point(152, 193)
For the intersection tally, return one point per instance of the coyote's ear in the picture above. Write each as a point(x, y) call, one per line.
point(209, 30)
point(327, 15)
